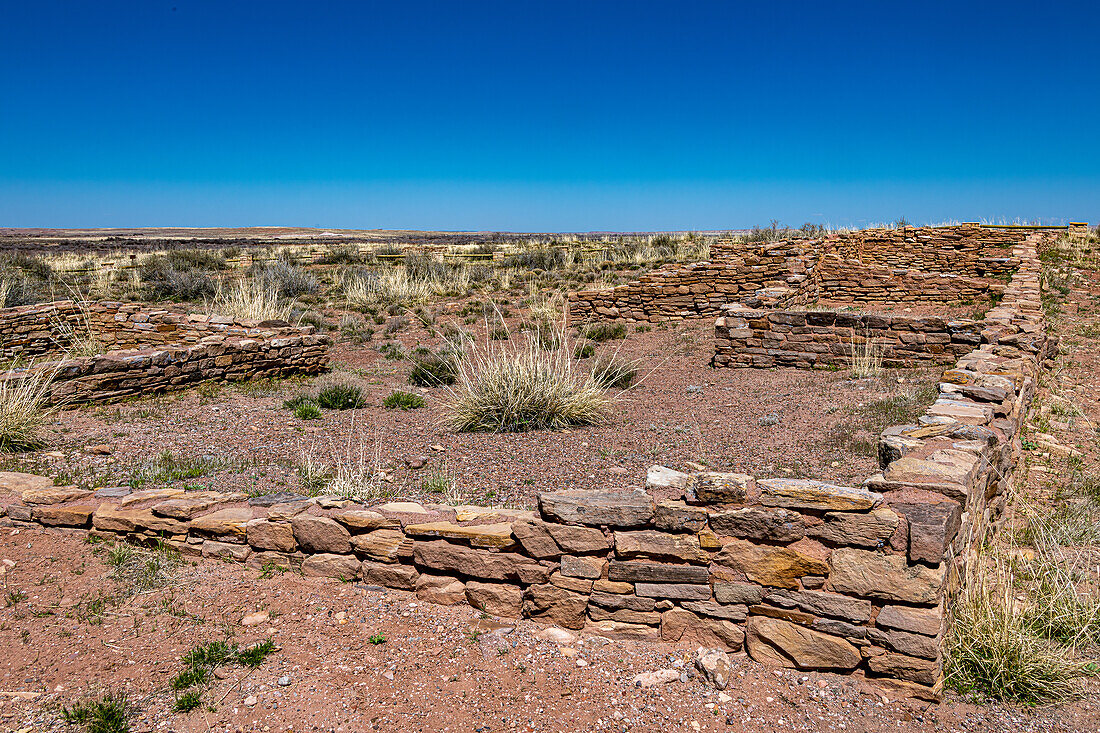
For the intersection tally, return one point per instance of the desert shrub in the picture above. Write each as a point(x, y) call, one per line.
point(992, 649)
point(343, 254)
point(403, 401)
point(517, 388)
point(536, 258)
point(423, 266)
point(341, 397)
point(604, 331)
point(433, 369)
point(164, 280)
point(584, 349)
point(251, 299)
point(196, 259)
point(303, 408)
point(283, 278)
point(24, 408)
point(611, 371)
point(187, 701)
point(109, 713)
point(24, 280)
point(355, 328)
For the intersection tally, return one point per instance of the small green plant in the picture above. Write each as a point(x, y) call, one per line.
point(601, 332)
point(14, 597)
point(253, 656)
point(109, 713)
point(584, 349)
point(196, 674)
point(377, 639)
point(187, 701)
point(611, 371)
point(341, 397)
point(438, 482)
point(403, 401)
point(307, 411)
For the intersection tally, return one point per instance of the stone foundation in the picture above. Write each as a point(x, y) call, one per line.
point(151, 351)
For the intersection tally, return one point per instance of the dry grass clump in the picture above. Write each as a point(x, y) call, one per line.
point(251, 299)
point(367, 289)
point(994, 651)
point(351, 472)
point(24, 408)
point(866, 358)
point(512, 388)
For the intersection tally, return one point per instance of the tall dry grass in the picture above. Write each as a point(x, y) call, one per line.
point(25, 407)
point(250, 299)
point(510, 387)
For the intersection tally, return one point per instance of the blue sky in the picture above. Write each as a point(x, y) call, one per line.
point(562, 116)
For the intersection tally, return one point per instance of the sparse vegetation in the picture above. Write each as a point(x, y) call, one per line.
point(517, 388)
point(24, 407)
point(108, 713)
point(403, 401)
point(341, 397)
point(865, 359)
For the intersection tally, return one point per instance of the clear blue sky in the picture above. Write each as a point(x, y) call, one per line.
point(548, 116)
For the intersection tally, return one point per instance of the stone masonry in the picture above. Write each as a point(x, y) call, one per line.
point(150, 351)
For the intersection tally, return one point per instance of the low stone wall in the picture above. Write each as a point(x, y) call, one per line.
point(760, 338)
point(48, 328)
point(910, 264)
point(970, 250)
point(840, 279)
point(152, 351)
point(800, 573)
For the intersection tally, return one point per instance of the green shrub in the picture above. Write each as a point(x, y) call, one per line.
point(341, 397)
point(284, 278)
point(109, 713)
point(433, 370)
point(403, 401)
point(307, 410)
point(584, 349)
point(601, 332)
point(162, 279)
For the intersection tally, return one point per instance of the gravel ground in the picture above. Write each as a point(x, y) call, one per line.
point(439, 668)
point(776, 422)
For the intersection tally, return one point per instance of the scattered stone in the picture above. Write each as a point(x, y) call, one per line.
point(657, 677)
point(714, 665)
point(256, 618)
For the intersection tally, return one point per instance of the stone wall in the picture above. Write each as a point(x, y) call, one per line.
point(151, 351)
point(930, 264)
point(761, 338)
point(47, 328)
point(799, 572)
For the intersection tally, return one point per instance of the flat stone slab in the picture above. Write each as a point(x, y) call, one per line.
point(15, 482)
point(598, 507)
point(793, 493)
point(478, 535)
point(54, 495)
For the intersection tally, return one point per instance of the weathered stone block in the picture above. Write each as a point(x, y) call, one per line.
point(888, 577)
point(759, 523)
point(597, 507)
point(780, 567)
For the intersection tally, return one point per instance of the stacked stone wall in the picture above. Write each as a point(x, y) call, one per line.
point(800, 573)
point(761, 338)
point(151, 351)
point(910, 264)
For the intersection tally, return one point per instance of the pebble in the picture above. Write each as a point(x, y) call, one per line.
point(284, 681)
point(250, 701)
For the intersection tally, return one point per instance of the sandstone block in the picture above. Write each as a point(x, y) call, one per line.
point(320, 534)
point(458, 559)
point(498, 599)
point(680, 625)
point(759, 523)
point(551, 604)
point(597, 507)
point(580, 566)
point(402, 577)
point(443, 590)
point(652, 572)
point(266, 535)
point(723, 488)
point(810, 494)
point(63, 516)
point(780, 567)
point(328, 565)
point(887, 577)
point(383, 545)
point(773, 641)
point(650, 544)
